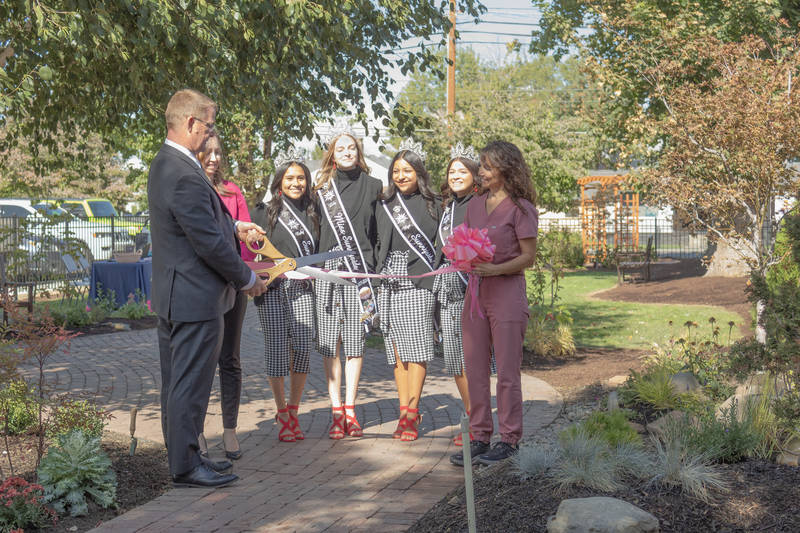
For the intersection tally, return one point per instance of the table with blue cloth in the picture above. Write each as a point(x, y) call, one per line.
point(123, 279)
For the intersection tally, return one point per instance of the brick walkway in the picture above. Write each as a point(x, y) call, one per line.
point(374, 483)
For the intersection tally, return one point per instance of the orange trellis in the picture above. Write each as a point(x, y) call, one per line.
point(598, 195)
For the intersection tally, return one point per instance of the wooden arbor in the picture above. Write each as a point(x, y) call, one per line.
point(604, 198)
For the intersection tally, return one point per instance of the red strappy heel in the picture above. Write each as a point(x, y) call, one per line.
point(352, 427)
point(401, 422)
point(337, 430)
point(298, 433)
point(285, 434)
point(411, 431)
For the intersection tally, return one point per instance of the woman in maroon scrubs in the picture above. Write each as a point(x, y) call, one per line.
point(497, 320)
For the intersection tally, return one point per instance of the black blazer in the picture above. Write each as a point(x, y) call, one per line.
point(197, 268)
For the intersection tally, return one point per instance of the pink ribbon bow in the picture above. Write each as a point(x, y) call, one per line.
point(465, 247)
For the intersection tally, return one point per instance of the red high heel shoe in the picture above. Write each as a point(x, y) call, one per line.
point(337, 429)
point(352, 427)
point(401, 422)
point(411, 431)
point(298, 433)
point(285, 434)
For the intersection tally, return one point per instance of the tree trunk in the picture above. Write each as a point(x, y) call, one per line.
point(761, 330)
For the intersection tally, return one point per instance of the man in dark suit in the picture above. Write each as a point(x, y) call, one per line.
point(197, 270)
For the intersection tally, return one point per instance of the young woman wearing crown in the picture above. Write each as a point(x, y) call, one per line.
point(286, 311)
point(348, 196)
point(407, 221)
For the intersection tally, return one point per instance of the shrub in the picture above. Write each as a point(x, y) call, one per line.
point(548, 333)
point(17, 407)
point(727, 439)
point(650, 388)
point(21, 506)
point(135, 308)
point(532, 461)
point(75, 468)
point(611, 427)
point(677, 466)
point(562, 248)
point(585, 461)
point(76, 414)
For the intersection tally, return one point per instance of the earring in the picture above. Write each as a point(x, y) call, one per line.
point(474, 188)
point(334, 165)
point(280, 193)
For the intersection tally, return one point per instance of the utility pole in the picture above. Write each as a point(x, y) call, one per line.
point(451, 69)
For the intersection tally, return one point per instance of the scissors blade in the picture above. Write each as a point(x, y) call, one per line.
point(320, 258)
point(324, 276)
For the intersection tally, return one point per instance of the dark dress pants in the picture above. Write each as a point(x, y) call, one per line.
point(189, 354)
point(230, 368)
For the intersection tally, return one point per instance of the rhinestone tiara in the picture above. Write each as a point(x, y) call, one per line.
point(340, 127)
point(292, 155)
point(459, 150)
point(412, 146)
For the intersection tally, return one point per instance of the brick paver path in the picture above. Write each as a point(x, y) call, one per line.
point(375, 483)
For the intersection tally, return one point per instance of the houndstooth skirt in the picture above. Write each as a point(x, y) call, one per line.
point(406, 314)
point(450, 292)
point(286, 313)
point(338, 315)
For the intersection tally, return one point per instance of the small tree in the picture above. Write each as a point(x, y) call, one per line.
point(728, 139)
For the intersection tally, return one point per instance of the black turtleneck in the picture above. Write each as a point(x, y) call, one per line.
point(359, 193)
point(279, 236)
point(390, 239)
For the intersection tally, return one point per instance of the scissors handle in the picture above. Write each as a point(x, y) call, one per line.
point(267, 250)
point(270, 274)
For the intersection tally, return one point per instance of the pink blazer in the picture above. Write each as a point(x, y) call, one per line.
point(237, 205)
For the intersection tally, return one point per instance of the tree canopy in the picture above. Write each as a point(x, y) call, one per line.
point(534, 102)
point(618, 40)
point(72, 67)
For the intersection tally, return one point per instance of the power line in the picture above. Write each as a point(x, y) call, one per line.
point(496, 33)
point(481, 21)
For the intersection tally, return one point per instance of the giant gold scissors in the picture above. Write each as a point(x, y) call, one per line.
point(281, 264)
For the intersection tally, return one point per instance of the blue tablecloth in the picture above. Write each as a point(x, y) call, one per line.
point(122, 278)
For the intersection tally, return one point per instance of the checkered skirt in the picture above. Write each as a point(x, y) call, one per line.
point(286, 314)
point(450, 292)
point(406, 314)
point(338, 315)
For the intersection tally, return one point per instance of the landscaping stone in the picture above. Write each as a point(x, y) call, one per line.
point(657, 427)
point(600, 515)
point(614, 382)
point(787, 459)
point(750, 390)
point(683, 382)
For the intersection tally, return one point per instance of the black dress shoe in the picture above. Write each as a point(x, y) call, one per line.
point(233, 455)
point(216, 466)
point(203, 476)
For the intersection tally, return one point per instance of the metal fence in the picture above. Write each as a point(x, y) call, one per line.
point(34, 247)
point(668, 241)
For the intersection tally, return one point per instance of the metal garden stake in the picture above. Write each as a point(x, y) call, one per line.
point(468, 472)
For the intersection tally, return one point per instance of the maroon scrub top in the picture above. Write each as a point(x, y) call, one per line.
point(506, 225)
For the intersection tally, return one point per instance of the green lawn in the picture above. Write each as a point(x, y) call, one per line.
point(608, 324)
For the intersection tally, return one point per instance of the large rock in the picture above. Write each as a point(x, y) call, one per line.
point(615, 382)
point(600, 515)
point(683, 382)
point(751, 391)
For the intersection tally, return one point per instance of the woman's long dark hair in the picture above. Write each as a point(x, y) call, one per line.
point(507, 159)
point(423, 180)
point(472, 166)
point(275, 204)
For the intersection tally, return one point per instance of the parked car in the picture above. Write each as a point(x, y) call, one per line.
point(102, 210)
point(49, 224)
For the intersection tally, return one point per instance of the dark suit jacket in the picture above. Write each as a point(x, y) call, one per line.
point(197, 268)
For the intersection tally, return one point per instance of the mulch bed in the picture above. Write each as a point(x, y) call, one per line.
point(140, 478)
point(763, 497)
point(114, 325)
